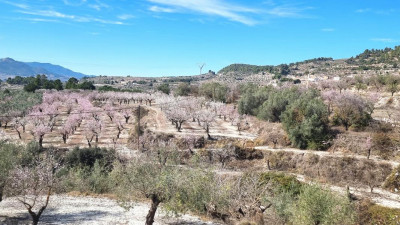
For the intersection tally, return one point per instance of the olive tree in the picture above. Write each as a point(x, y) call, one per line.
point(7, 162)
point(315, 205)
point(179, 189)
point(276, 104)
point(306, 121)
point(392, 83)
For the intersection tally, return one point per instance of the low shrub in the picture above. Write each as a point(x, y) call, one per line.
point(87, 180)
point(315, 205)
point(383, 143)
point(282, 182)
point(86, 157)
point(393, 181)
point(371, 214)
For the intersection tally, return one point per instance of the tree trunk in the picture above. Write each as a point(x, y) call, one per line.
point(89, 144)
point(208, 132)
point(346, 126)
point(35, 220)
point(19, 134)
point(179, 126)
point(41, 142)
point(1, 194)
point(153, 208)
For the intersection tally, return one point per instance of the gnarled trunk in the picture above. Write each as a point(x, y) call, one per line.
point(152, 211)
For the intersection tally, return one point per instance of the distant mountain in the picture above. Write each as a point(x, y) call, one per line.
point(11, 68)
point(56, 69)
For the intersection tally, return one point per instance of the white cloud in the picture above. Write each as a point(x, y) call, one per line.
point(74, 2)
point(125, 16)
point(363, 10)
point(18, 5)
point(327, 29)
point(56, 14)
point(385, 40)
point(41, 20)
point(288, 11)
point(238, 13)
point(211, 7)
point(48, 13)
point(99, 5)
point(390, 11)
point(155, 8)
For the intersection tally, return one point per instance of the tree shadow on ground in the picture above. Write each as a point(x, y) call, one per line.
point(18, 219)
point(52, 217)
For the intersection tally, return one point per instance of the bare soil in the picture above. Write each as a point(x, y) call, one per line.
point(90, 210)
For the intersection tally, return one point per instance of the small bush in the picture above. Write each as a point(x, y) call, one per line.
point(315, 205)
point(393, 181)
point(87, 180)
point(383, 144)
point(86, 157)
point(284, 183)
point(371, 214)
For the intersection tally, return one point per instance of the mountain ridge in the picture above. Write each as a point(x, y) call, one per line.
point(11, 68)
point(366, 58)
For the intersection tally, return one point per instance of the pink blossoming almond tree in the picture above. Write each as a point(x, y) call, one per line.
point(33, 185)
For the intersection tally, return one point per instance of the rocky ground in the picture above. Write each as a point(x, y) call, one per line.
point(90, 210)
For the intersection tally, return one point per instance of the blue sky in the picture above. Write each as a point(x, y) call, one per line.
point(171, 37)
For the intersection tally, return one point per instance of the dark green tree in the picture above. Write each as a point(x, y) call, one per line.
point(277, 103)
point(58, 85)
point(31, 87)
point(214, 91)
point(72, 83)
point(306, 121)
point(164, 88)
point(183, 89)
point(86, 85)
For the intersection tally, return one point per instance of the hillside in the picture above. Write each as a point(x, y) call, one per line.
point(11, 68)
point(388, 56)
point(374, 56)
point(56, 69)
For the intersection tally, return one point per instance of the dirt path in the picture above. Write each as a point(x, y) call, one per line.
point(90, 210)
point(326, 154)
